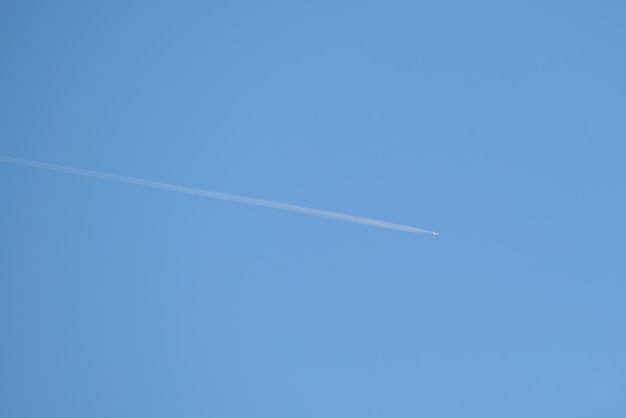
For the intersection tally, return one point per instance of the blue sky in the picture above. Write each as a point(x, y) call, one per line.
point(499, 125)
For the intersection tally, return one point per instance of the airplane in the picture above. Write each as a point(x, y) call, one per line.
point(435, 233)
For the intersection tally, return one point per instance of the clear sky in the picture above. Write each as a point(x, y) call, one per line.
point(499, 124)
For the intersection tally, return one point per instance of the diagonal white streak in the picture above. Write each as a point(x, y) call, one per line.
point(218, 195)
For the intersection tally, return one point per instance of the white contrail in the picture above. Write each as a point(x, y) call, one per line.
point(218, 195)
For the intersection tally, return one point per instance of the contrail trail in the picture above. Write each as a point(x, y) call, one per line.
point(218, 195)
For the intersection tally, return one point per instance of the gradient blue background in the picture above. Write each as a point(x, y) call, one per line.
point(499, 124)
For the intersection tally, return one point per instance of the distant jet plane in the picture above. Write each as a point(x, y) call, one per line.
point(435, 233)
